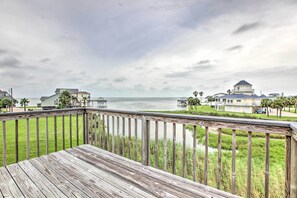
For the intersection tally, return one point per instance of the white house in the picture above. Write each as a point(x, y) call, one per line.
point(242, 98)
point(51, 102)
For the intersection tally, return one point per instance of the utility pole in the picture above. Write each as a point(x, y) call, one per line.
point(11, 98)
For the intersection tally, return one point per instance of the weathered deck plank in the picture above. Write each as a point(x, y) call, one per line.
point(62, 183)
point(28, 188)
point(7, 185)
point(41, 182)
point(87, 171)
point(175, 181)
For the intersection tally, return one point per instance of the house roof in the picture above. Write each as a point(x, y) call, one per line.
point(243, 82)
point(58, 90)
point(231, 96)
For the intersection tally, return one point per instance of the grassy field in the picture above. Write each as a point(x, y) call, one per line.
point(207, 110)
point(10, 136)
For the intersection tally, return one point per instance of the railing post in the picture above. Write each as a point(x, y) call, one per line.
point(145, 140)
point(293, 190)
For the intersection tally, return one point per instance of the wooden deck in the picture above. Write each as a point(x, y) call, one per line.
point(87, 171)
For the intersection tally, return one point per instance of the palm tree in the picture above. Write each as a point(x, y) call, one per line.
point(195, 93)
point(295, 99)
point(210, 99)
point(266, 103)
point(65, 100)
point(24, 102)
point(201, 94)
point(73, 100)
point(85, 100)
point(229, 91)
point(291, 102)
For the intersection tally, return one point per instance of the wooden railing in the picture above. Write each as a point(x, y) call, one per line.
point(136, 135)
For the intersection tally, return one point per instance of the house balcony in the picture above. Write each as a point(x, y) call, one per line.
point(93, 152)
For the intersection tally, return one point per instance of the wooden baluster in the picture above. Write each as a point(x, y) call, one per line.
point(129, 136)
point(108, 133)
point(95, 129)
point(113, 134)
point(28, 138)
point(16, 141)
point(165, 146)
point(136, 140)
point(288, 167)
point(174, 149)
point(99, 132)
point(249, 170)
point(156, 144)
point(184, 151)
point(145, 126)
point(84, 128)
point(63, 132)
point(46, 135)
point(206, 157)
point(70, 129)
point(123, 136)
point(77, 130)
point(37, 137)
point(105, 140)
point(219, 158)
point(4, 141)
point(233, 161)
point(293, 166)
point(194, 151)
point(267, 155)
point(118, 135)
point(87, 128)
point(90, 134)
point(148, 130)
point(55, 134)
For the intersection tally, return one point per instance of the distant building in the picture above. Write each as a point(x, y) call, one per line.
point(241, 99)
point(52, 102)
point(4, 94)
point(274, 95)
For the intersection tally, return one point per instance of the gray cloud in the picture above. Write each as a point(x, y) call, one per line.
point(10, 62)
point(247, 27)
point(190, 70)
point(120, 79)
point(234, 48)
point(45, 60)
point(3, 51)
point(203, 62)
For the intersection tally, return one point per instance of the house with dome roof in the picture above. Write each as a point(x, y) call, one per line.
point(241, 99)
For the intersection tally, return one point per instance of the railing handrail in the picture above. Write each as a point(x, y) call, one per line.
point(286, 124)
point(248, 121)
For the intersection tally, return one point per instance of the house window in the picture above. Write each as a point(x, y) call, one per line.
point(238, 100)
point(238, 88)
point(231, 101)
point(57, 102)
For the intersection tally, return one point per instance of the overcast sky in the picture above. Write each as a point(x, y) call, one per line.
point(147, 47)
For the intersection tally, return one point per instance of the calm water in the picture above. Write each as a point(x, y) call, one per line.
point(133, 103)
point(142, 104)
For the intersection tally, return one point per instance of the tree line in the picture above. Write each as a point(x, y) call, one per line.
point(279, 104)
point(6, 103)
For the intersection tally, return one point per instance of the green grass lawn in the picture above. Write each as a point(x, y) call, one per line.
point(207, 110)
point(292, 110)
point(10, 136)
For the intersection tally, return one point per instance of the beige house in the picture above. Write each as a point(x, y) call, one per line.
point(242, 99)
point(52, 102)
